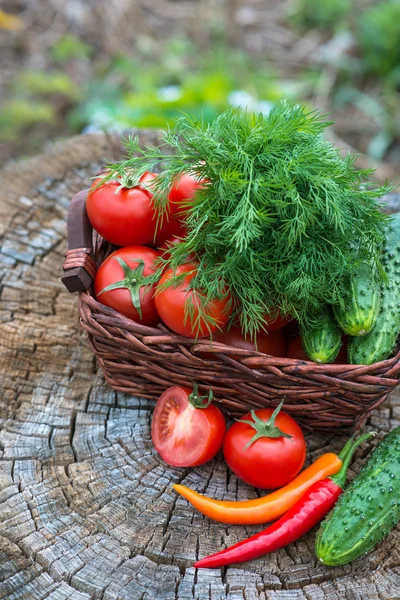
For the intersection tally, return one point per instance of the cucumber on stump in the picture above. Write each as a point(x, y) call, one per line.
point(367, 510)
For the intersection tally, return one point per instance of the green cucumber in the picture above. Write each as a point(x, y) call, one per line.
point(322, 342)
point(367, 510)
point(380, 343)
point(359, 311)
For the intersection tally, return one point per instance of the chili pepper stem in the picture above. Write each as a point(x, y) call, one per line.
point(346, 448)
point(340, 477)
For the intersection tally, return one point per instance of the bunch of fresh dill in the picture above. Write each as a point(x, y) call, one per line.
point(282, 221)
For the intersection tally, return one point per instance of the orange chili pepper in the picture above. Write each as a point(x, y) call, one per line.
point(267, 508)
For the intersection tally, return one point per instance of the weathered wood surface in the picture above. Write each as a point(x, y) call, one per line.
point(86, 506)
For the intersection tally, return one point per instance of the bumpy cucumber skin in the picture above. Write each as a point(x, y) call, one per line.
point(322, 343)
point(368, 509)
point(379, 343)
point(361, 305)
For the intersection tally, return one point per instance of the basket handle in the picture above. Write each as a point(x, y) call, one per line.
point(79, 266)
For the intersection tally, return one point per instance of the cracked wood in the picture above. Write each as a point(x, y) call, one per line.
point(86, 506)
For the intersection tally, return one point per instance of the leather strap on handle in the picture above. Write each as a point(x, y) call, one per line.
point(79, 265)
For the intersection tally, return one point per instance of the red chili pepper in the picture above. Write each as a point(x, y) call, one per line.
point(307, 512)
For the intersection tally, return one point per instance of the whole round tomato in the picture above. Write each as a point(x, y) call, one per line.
point(186, 431)
point(171, 305)
point(122, 216)
point(171, 228)
point(268, 343)
point(182, 191)
point(260, 460)
point(146, 180)
point(120, 284)
point(165, 249)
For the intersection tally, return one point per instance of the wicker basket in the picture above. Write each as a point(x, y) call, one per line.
point(144, 361)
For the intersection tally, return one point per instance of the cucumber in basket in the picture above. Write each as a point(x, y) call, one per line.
point(359, 311)
point(381, 341)
point(368, 509)
point(322, 342)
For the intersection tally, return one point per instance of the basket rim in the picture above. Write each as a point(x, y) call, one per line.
point(160, 334)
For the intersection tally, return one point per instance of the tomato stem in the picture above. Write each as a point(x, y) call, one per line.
point(266, 429)
point(200, 401)
point(133, 281)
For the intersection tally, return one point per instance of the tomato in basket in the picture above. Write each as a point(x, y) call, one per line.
point(187, 430)
point(121, 283)
point(269, 343)
point(171, 229)
point(182, 192)
point(122, 216)
point(180, 307)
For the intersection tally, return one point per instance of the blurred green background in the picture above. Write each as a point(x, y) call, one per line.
point(88, 65)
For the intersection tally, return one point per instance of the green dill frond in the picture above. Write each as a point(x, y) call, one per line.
point(282, 221)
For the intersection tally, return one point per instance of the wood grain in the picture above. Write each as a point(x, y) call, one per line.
point(86, 506)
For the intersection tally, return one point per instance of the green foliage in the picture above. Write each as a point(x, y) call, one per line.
point(17, 114)
point(70, 47)
point(378, 35)
point(320, 13)
point(47, 84)
point(283, 220)
point(151, 93)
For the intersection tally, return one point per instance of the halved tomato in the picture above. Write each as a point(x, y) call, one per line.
point(187, 430)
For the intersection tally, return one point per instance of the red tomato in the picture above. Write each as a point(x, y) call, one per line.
point(171, 303)
point(171, 228)
point(168, 244)
point(165, 250)
point(272, 343)
point(126, 278)
point(185, 436)
point(147, 178)
point(273, 323)
point(182, 191)
point(268, 462)
point(122, 216)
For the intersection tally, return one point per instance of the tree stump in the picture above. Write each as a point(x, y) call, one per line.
point(86, 506)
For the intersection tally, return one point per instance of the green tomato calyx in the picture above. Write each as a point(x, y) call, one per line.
point(133, 281)
point(198, 401)
point(263, 429)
